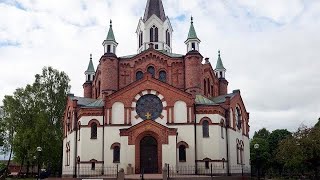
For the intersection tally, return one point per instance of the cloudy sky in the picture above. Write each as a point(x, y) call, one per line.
point(271, 48)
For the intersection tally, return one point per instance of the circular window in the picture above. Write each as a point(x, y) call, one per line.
point(149, 107)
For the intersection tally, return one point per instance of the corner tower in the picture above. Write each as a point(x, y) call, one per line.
point(90, 73)
point(192, 41)
point(155, 28)
point(110, 44)
point(220, 72)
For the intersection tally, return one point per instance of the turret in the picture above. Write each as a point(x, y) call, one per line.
point(155, 28)
point(193, 72)
point(108, 66)
point(110, 44)
point(192, 41)
point(90, 73)
point(220, 73)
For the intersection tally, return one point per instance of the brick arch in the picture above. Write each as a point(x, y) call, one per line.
point(206, 119)
point(159, 140)
point(182, 143)
point(115, 145)
point(94, 121)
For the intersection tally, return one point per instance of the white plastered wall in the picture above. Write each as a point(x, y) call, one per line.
point(118, 113)
point(180, 112)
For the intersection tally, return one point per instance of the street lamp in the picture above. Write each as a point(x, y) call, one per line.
point(33, 162)
point(39, 149)
point(256, 146)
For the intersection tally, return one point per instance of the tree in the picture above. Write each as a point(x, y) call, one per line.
point(259, 157)
point(34, 115)
point(262, 133)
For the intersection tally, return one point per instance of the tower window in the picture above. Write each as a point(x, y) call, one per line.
point(182, 153)
point(221, 75)
point(139, 75)
point(151, 70)
point(163, 76)
point(208, 81)
point(193, 46)
point(108, 49)
point(156, 46)
point(205, 87)
point(89, 77)
point(168, 38)
point(154, 34)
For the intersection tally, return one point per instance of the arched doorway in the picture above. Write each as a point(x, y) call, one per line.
point(149, 155)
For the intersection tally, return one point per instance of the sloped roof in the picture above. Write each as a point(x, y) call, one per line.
point(90, 66)
point(110, 36)
point(88, 102)
point(173, 55)
point(192, 32)
point(201, 100)
point(219, 63)
point(154, 7)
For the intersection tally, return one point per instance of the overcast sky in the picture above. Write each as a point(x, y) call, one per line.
point(271, 48)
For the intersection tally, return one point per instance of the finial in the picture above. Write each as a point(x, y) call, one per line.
point(219, 53)
point(191, 20)
point(110, 23)
point(90, 56)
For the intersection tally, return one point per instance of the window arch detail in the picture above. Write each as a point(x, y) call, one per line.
point(139, 75)
point(182, 143)
point(163, 76)
point(154, 34)
point(182, 153)
point(151, 70)
point(116, 152)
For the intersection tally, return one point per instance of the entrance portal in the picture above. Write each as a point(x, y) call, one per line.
point(149, 155)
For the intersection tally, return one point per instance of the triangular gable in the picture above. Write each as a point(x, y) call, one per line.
point(148, 126)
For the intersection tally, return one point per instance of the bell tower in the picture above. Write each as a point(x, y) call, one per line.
point(155, 28)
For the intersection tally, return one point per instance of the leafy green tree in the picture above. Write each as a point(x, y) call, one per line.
point(262, 133)
point(260, 156)
point(34, 115)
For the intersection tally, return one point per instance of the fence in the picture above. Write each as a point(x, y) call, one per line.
point(212, 170)
point(111, 171)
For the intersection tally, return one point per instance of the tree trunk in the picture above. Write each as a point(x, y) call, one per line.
point(28, 166)
point(21, 166)
point(8, 164)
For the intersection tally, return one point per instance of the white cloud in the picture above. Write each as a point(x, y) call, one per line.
point(270, 48)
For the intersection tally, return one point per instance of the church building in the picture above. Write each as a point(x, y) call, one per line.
point(140, 112)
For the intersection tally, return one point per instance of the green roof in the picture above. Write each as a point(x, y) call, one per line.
point(88, 102)
point(219, 63)
point(90, 66)
point(110, 36)
point(192, 32)
point(201, 100)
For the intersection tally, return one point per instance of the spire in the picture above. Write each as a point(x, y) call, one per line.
point(219, 63)
point(154, 7)
point(110, 36)
point(192, 32)
point(110, 44)
point(90, 68)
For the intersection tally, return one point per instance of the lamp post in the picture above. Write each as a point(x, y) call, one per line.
point(39, 149)
point(256, 146)
point(33, 162)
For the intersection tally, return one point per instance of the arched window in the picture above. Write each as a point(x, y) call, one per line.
point(151, 70)
point(116, 154)
point(205, 87)
point(205, 128)
point(139, 75)
point(163, 76)
point(168, 38)
point(182, 153)
point(222, 125)
point(94, 130)
point(208, 81)
point(154, 34)
point(99, 89)
point(238, 117)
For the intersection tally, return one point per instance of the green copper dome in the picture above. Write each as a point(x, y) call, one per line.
point(192, 32)
point(90, 66)
point(219, 63)
point(110, 36)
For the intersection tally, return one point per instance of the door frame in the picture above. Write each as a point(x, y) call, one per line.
point(137, 150)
